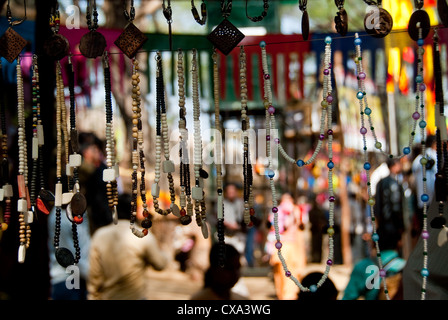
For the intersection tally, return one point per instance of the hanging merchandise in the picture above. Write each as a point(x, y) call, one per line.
point(194, 11)
point(162, 136)
point(327, 108)
point(168, 14)
point(138, 158)
point(419, 22)
point(131, 39)
point(263, 14)
point(442, 10)
point(186, 206)
point(305, 19)
point(199, 173)
point(378, 22)
point(111, 173)
point(225, 37)
point(23, 203)
point(12, 43)
point(93, 43)
point(56, 46)
point(341, 18)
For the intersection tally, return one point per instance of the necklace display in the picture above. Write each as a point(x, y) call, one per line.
point(341, 18)
point(194, 11)
point(186, 206)
point(199, 174)
point(378, 22)
point(245, 126)
point(93, 43)
point(305, 19)
point(263, 14)
point(6, 191)
point(23, 203)
point(56, 46)
point(138, 158)
point(162, 135)
point(110, 174)
point(218, 159)
point(12, 43)
point(270, 126)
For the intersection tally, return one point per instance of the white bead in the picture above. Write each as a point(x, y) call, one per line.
point(109, 175)
point(68, 170)
point(196, 193)
point(29, 217)
point(40, 134)
point(75, 160)
point(35, 148)
point(220, 214)
point(8, 191)
point(155, 190)
point(67, 197)
point(58, 195)
point(21, 254)
point(22, 205)
point(168, 166)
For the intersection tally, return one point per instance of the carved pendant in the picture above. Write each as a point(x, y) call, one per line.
point(422, 17)
point(78, 204)
point(305, 25)
point(225, 37)
point(92, 44)
point(341, 22)
point(442, 10)
point(131, 40)
point(378, 23)
point(44, 201)
point(11, 44)
point(57, 46)
point(64, 257)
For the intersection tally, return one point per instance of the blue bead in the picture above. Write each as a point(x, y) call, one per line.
point(368, 111)
point(262, 44)
point(418, 79)
point(407, 150)
point(313, 288)
point(367, 166)
point(420, 42)
point(424, 197)
point(422, 124)
point(328, 40)
point(270, 173)
point(424, 272)
point(375, 237)
point(358, 41)
point(330, 165)
point(300, 163)
point(360, 95)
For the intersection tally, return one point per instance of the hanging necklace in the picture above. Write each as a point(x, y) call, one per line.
point(419, 22)
point(12, 43)
point(56, 46)
point(245, 125)
point(263, 14)
point(225, 37)
point(186, 206)
point(305, 19)
point(6, 192)
point(378, 22)
point(341, 18)
point(199, 174)
point(138, 157)
point(194, 11)
point(93, 43)
point(23, 203)
point(162, 135)
point(218, 158)
point(270, 126)
point(110, 174)
point(131, 39)
point(168, 14)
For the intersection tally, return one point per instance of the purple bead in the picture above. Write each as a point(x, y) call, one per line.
point(330, 132)
point(321, 137)
point(425, 234)
point(329, 262)
point(363, 130)
point(278, 245)
point(330, 65)
point(362, 76)
point(422, 87)
point(326, 72)
point(288, 273)
point(331, 198)
point(329, 98)
point(275, 209)
point(416, 115)
point(271, 110)
point(382, 273)
point(267, 76)
point(268, 137)
point(277, 140)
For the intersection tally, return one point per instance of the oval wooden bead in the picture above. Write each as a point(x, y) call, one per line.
point(64, 257)
point(78, 204)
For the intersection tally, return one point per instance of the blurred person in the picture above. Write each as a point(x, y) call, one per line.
point(119, 260)
point(220, 281)
point(327, 291)
point(318, 222)
point(293, 247)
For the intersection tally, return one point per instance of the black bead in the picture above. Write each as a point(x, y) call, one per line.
point(147, 223)
point(438, 222)
point(185, 220)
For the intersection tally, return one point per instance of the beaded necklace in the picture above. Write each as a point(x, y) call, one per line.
point(263, 14)
point(186, 206)
point(11, 43)
point(245, 125)
point(199, 173)
point(138, 157)
point(93, 43)
point(6, 192)
point(23, 203)
point(270, 126)
point(194, 11)
point(110, 174)
point(162, 134)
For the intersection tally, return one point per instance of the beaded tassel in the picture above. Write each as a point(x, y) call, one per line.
point(138, 158)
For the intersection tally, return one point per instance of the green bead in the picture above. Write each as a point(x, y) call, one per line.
point(330, 231)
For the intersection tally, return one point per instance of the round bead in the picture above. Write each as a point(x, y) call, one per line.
point(382, 273)
point(330, 231)
point(419, 79)
point(360, 95)
point(362, 75)
point(375, 237)
point(425, 234)
point(358, 41)
point(278, 245)
point(422, 124)
point(326, 72)
point(330, 165)
point(267, 76)
point(424, 197)
point(330, 132)
point(406, 150)
point(424, 272)
point(300, 163)
point(268, 138)
point(363, 130)
point(423, 161)
point(321, 137)
point(378, 145)
point(420, 42)
point(78, 219)
point(416, 115)
point(271, 110)
point(329, 262)
point(329, 98)
point(368, 111)
point(270, 173)
point(262, 44)
point(288, 273)
point(274, 209)
point(331, 198)
point(313, 288)
point(371, 201)
point(277, 140)
point(324, 104)
point(328, 40)
point(367, 166)
point(422, 87)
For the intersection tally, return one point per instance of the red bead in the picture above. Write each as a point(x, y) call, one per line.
point(145, 213)
point(252, 211)
point(145, 231)
point(183, 212)
point(78, 219)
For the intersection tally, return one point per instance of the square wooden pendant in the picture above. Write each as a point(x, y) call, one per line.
point(225, 37)
point(11, 44)
point(130, 40)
